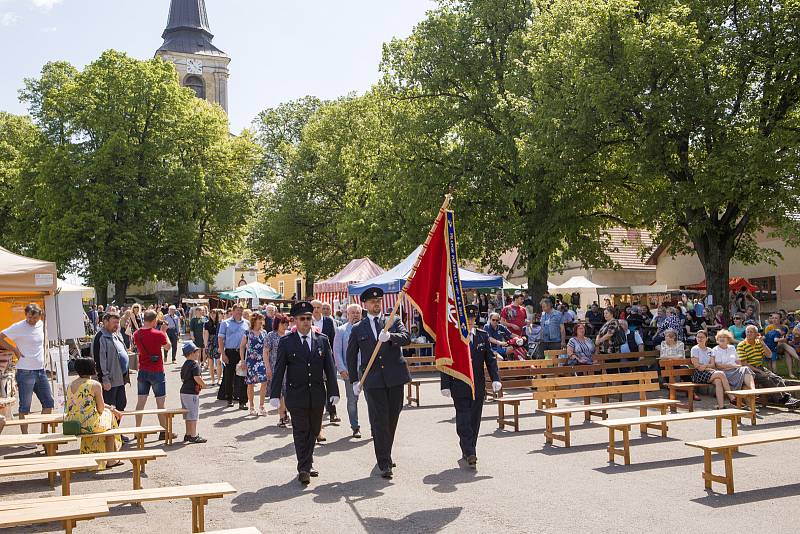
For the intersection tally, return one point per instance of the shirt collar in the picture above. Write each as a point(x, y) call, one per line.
point(373, 317)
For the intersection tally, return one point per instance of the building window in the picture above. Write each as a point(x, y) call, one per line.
point(281, 288)
point(196, 84)
point(767, 289)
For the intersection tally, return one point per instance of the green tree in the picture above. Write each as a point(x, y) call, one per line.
point(104, 181)
point(480, 130)
point(19, 143)
point(699, 103)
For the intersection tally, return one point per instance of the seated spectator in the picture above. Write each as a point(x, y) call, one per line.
point(645, 311)
point(580, 349)
point(85, 405)
point(777, 339)
point(694, 324)
point(704, 370)
point(719, 317)
point(660, 317)
point(610, 338)
point(727, 360)
point(514, 316)
point(671, 347)
point(750, 317)
point(635, 318)
point(633, 341)
point(498, 335)
point(567, 314)
point(595, 317)
point(752, 352)
point(737, 329)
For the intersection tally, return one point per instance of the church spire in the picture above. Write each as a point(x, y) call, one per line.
point(188, 30)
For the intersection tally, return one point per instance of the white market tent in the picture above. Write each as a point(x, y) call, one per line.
point(587, 289)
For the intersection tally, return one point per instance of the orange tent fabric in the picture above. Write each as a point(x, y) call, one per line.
point(734, 284)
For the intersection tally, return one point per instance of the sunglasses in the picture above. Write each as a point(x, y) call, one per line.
point(303, 318)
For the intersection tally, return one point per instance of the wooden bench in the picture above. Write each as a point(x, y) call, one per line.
point(423, 364)
point(49, 442)
point(244, 530)
point(138, 461)
point(671, 370)
point(168, 413)
point(67, 513)
point(624, 426)
point(752, 394)
point(199, 494)
point(727, 446)
point(139, 431)
point(64, 466)
point(48, 421)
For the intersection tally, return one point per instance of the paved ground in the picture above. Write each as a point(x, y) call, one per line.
point(519, 486)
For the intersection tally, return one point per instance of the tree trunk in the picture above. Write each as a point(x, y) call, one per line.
point(537, 284)
point(309, 287)
point(183, 287)
point(102, 294)
point(715, 257)
point(120, 292)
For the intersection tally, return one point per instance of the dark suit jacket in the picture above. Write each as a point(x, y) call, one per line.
point(389, 368)
point(329, 328)
point(307, 373)
point(481, 353)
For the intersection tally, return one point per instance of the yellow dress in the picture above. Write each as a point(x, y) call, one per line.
point(81, 407)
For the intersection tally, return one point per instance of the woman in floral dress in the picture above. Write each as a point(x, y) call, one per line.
point(252, 353)
point(85, 405)
point(280, 326)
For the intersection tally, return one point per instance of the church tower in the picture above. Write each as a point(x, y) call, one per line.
point(187, 43)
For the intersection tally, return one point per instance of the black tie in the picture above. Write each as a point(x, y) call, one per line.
point(378, 327)
point(304, 342)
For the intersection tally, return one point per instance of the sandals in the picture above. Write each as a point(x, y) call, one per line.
point(262, 412)
point(252, 411)
point(284, 421)
point(114, 464)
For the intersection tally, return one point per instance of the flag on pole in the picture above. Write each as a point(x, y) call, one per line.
point(435, 291)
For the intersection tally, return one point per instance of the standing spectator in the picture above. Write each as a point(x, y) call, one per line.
point(113, 358)
point(514, 315)
point(192, 384)
point(580, 349)
point(28, 338)
point(197, 329)
point(173, 322)
point(671, 322)
point(271, 310)
point(280, 325)
point(210, 341)
point(93, 319)
point(340, 358)
point(595, 317)
point(229, 338)
point(150, 342)
point(251, 350)
point(483, 306)
point(553, 335)
point(752, 352)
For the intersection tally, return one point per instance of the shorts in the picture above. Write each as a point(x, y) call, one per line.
point(30, 382)
point(190, 403)
point(157, 380)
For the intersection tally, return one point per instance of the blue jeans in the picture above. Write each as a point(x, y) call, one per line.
point(352, 404)
point(147, 379)
point(30, 382)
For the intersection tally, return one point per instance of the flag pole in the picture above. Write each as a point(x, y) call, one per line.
point(390, 320)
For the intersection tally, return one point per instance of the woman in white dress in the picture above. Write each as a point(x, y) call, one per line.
point(726, 360)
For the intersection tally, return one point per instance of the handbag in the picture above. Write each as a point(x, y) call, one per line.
point(241, 368)
point(535, 350)
point(71, 428)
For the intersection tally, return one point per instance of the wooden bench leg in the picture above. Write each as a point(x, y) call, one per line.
point(140, 441)
point(719, 426)
point(611, 445)
point(168, 434)
point(501, 415)
point(690, 398)
point(548, 428)
point(566, 429)
point(68, 525)
point(642, 428)
point(672, 396)
point(50, 450)
point(626, 443)
point(728, 454)
point(753, 410)
point(137, 474)
point(416, 400)
point(66, 475)
point(516, 416)
point(707, 468)
point(587, 415)
point(408, 393)
point(198, 514)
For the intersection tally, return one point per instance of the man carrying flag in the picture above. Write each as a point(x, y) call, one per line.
point(469, 409)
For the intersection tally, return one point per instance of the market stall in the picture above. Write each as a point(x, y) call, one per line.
point(334, 289)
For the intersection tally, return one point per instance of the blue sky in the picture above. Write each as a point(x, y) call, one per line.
point(280, 50)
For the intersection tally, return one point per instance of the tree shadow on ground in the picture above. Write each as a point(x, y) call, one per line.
point(271, 430)
point(271, 455)
point(714, 499)
point(420, 521)
point(448, 480)
point(340, 445)
point(352, 491)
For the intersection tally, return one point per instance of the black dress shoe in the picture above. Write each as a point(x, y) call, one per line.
point(242, 406)
point(387, 473)
point(314, 473)
point(304, 477)
point(472, 459)
point(335, 418)
point(357, 433)
point(320, 439)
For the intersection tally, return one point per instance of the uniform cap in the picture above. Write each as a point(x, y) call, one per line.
point(372, 293)
point(472, 311)
point(301, 308)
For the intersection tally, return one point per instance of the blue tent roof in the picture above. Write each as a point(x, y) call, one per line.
point(393, 280)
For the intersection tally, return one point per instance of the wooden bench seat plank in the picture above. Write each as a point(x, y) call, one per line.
point(608, 406)
point(683, 416)
point(147, 454)
point(68, 515)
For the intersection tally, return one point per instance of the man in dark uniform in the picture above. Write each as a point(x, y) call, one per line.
point(307, 360)
point(468, 411)
point(384, 384)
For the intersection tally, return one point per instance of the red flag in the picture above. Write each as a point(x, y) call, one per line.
point(434, 289)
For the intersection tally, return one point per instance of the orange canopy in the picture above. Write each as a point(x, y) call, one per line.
point(734, 284)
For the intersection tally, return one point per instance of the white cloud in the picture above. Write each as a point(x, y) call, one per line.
point(45, 5)
point(9, 18)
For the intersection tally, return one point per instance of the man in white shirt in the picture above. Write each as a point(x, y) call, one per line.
point(340, 358)
point(28, 346)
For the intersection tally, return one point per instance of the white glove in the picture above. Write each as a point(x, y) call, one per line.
point(334, 400)
point(446, 393)
point(497, 386)
point(384, 336)
point(357, 388)
point(275, 403)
